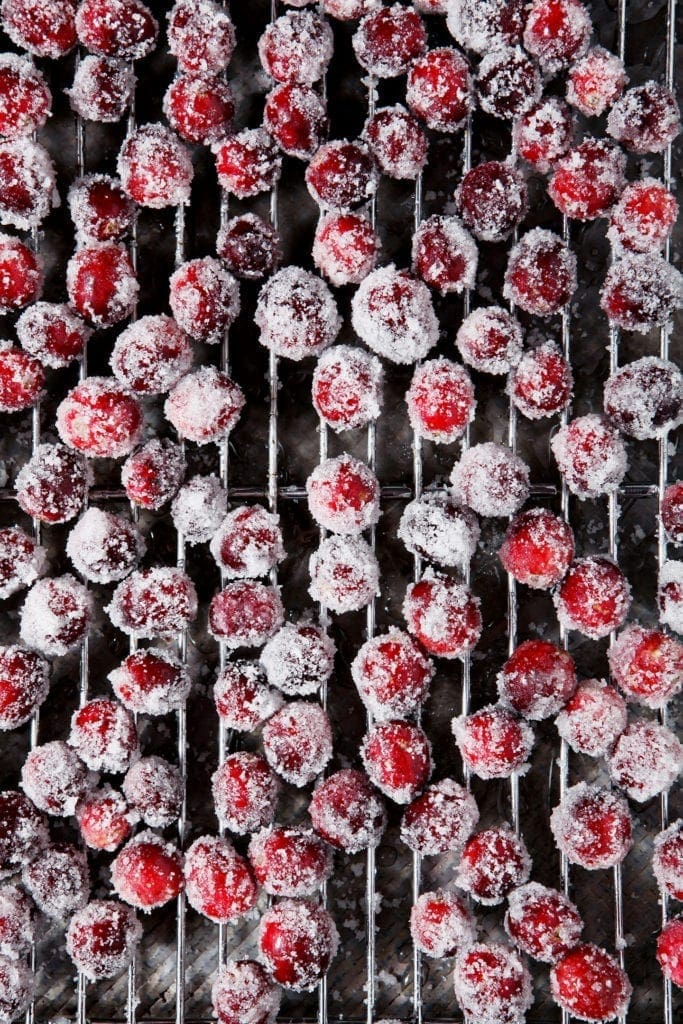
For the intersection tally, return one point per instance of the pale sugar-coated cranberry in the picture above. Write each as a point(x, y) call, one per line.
point(245, 613)
point(541, 273)
point(22, 561)
point(441, 923)
point(296, 118)
point(444, 254)
point(117, 28)
point(104, 547)
point(589, 983)
point(493, 200)
point(345, 247)
point(102, 284)
point(248, 542)
point(22, 379)
point(439, 89)
point(53, 485)
point(588, 180)
point(205, 405)
point(24, 685)
point(248, 163)
point(645, 398)
point(644, 217)
point(593, 718)
point(58, 880)
point(243, 993)
point(667, 860)
point(102, 89)
point(148, 872)
point(397, 758)
point(46, 28)
point(349, 10)
point(493, 742)
point(398, 142)
point(544, 133)
point(151, 355)
point(347, 811)
point(388, 40)
point(159, 601)
point(493, 863)
point(492, 981)
point(25, 98)
point(347, 387)
point(296, 47)
point(491, 479)
point(290, 861)
point(299, 659)
point(543, 922)
point(243, 700)
point(199, 507)
point(204, 299)
point(392, 312)
point(443, 615)
point(646, 119)
point(100, 418)
point(440, 400)
point(670, 951)
point(594, 597)
point(343, 495)
point(201, 36)
point(21, 275)
point(16, 988)
point(56, 615)
point(100, 209)
point(392, 675)
point(482, 25)
point(200, 110)
point(249, 246)
point(508, 83)
point(219, 882)
point(557, 32)
point(490, 340)
point(155, 167)
point(297, 940)
point(104, 819)
point(54, 778)
point(296, 314)
point(591, 455)
point(646, 760)
point(17, 922)
point(102, 938)
point(595, 81)
point(153, 473)
point(27, 184)
point(344, 574)
point(23, 831)
point(537, 680)
point(104, 735)
point(154, 789)
point(436, 527)
point(592, 826)
point(245, 792)
point(538, 548)
point(52, 333)
point(440, 820)
point(541, 383)
point(297, 741)
point(647, 665)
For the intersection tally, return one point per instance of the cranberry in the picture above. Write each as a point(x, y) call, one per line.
point(490, 340)
point(443, 615)
point(243, 701)
point(347, 387)
point(104, 736)
point(588, 180)
point(53, 485)
point(117, 28)
point(17, 922)
point(594, 597)
point(482, 25)
point(219, 883)
point(647, 665)
point(290, 861)
point(249, 246)
point(58, 880)
point(345, 248)
point(492, 981)
point(154, 789)
point(248, 542)
point(56, 616)
point(151, 355)
point(16, 988)
point(541, 384)
point(398, 142)
point(491, 479)
point(23, 831)
point(296, 47)
point(245, 792)
point(440, 400)
point(543, 133)
point(557, 32)
point(104, 819)
point(159, 601)
point(205, 405)
point(492, 864)
point(25, 98)
point(248, 163)
point(644, 217)
point(437, 528)
point(153, 473)
point(27, 184)
point(54, 778)
point(541, 273)
point(148, 872)
point(100, 418)
point(343, 495)
point(22, 561)
point(591, 456)
point(392, 313)
point(21, 274)
point(388, 40)
point(646, 760)
point(52, 333)
point(670, 595)
point(493, 200)
point(645, 398)
point(201, 36)
point(348, 812)
point(102, 283)
point(543, 922)
point(589, 983)
point(299, 659)
point(200, 110)
point(104, 547)
point(22, 379)
point(672, 512)
point(296, 314)
point(199, 508)
point(100, 209)
point(46, 28)
point(344, 574)
point(245, 614)
point(349, 10)
point(595, 81)
point(592, 826)
point(102, 89)
point(493, 742)
point(102, 938)
point(397, 758)
point(155, 167)
point(296, 118)
point(537, 680)
point(445, 254)
point(667, 860)
point(24, 685)
point(646, 119)
point(243, 992)
point(440, 820)
point(441, 924)
point(204, 299)
point(670, 951)
point(297, 742)
point(593, 718)
point(297, 942)
point(392, 675)
point(508, 83)
point(537, 549)
point(341, 175)
point(439, 89)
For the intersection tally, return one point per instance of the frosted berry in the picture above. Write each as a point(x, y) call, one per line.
point(104, 547)
point(243, 700)
point(341, 175)
point(100, 209)
point(27, 184)
point(444, 254)
point(490, 340)
point(397, 758)
point(102, 89)
point(245, 792)
point(646, 119)
point(46, 28)
point(151, 355)
point(557, 32)
point(440, 820)
point(102, 938)
point(646, 760)
point(343, 495)
point(344, 574)
point(23, 831)
point(22, 379)
point(297, 742)
point(541, 273)
point(672, 512)
point(493, 200)
point(52, 333)
point(508, 83)
point(537, 549)
point(670, 951)
point(443, 615)
point(592, 826)
point(297, 941)
point(388, 40)
point(436, 527)
point(392, 313)
point(201, 36)
point(595, 81)
point(290, 861)
point(537, 680)
point(645, 398)
point(117, 28)
point(249, 246)
point(398, 142)
point(58, 880)
point(347, 811)
point(593, 718)
point(591, 456)
point(153, 473)
point(667, 860)
point(670, 595)
point(218, 882)
point(155, 167)
point(349, 10)
point(594, 597)
point(482, 25)
point(200, 110)
point(245, 614)
point(647, 665)
point(491, 479)
point(441, 923)
point(154, 789)
point(148, 872)
point(159, 601)
point(588, 180)
point(199, 508)
point(25, 99)
point(543, 922)
point(299, 659)
point(589, 983)
point(205, 405)
point(439, 89)
point(541, 384)
point(204, 299)
point(17, 922)
point(248, 163)
point(100, 418)
point(392, 675)
point(54, 778)
point(56, 615)
point(104, 819)
point(22, 561)
point(493, 863)
point(644, 217)
point(243, 992)
point(102, 283)
point(345, 248)
point(347, 387)
point(296, 118)
point(24, 685)
point(16, 988)
point(296, 47)
point(492, 981)
point(104, 735)
point(296, 314)
point(493, 742)
point(248, 542)
point(440, 400)
point(21, 275)
point(544, 133)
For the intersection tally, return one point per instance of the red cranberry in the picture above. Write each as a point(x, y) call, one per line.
point(159, 601)
point(296, 314)
point(593, 718)
point(440, 400)
point(397, 758)
point(249, 246)
point(52, 333)
point(54, 778)
point(440, 820)
point(24, 685)
point(219, 883)
point(46, 28)
point(296, 118)
point(595, 81)
point(104, 819)
point(243, 992)
point(23, 831)
point(53, 485)
point(151, 355)
point(594, 597)
point(58, 880)
point(443, 615)
point(100, 209)
point(441, 924)
point(117, 28)
point(104, 736)
point(100, 418)
point(245, 792)
point(200, 110)
point(645, 398)
point(341, 175)
point(646, 760)
point(392, 313)
point(248, 163)
point(508, 83)
point(248, 542)
point(205, 405)
point(103, 547)
point(201, 36)
point(541, 384)
point(56, 615)
point(490, 340)
point(493, 200)
point(22, 561)
point(153, 473)
point(148, 872)
point(492, 864)
point(27, 184)
point(297, 941)
point(204, 299)
point(543, 133)
point(347, 387)
point(299, 659)
point(22, 379)
point(398, 142)
point(199, 508)
point(243, 701)
point(343, 495)
point(667, 860)
point(445, 254)
point(493, 742)
point(646, 119)
point(543, 922)
point(591, 456)
point(290, 861)
point(392, 675)
point(25, 99)
point(344, 574)
point(670, 951)
point(297, 742)
point(537, 549)
point(102, 938)
point(589, 983)
point(16, 988)
point(483, 25)
point(439, 89)
point(102, 89)
point(557, 32)
point(296, 47)
point(647, 665)
point(348, 812)
point(154, 789)
point(155, 167)
point(537, 680)
point(492, 981)
point(541, 273)
point(245, 614)
point(21, 274)
point(388, 40)
point(672, 512)
point(102, 283)
point(491, 479)
point(437, 528)
point(644, 217)
point(588, 180)
point(345, 247)
point(592, 826)
point(17, 922)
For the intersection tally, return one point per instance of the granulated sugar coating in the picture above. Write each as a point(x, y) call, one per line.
point(342, 175)
point(200, 110)
point(151, 355)
point(16, 988)
point(537, 680)
point(104, 735)
point(594, 597)
point(508, 82)
point(102, 89)
point(53, 333)
point(641, 291)
point(484, 25)
point(557, 32)
point(247, 542)
point(593, 718)
point(53, 484)
point(155, 167)
point(100, 418)
point(440, 820)
point(345, 249)
point(297, 314)
point(154, 789)
point(201, 36)
point(100, 209)
point(670, 595)
point(204, 299)
point(588, 180)
point(537, 549)
point(543, 922)
point(441, 923)
point(23, 831)
point(55, 779)
point(242, 991)
point(205, 405)
point(299, 659)
point(667, 860)
point(392, 675)
point(493, 862)
point(296, 47)
point(544, 133)
point(670, 951)
point(21, 275)
point(245, 793)
point(297, 742)
point(155, 602)
point(490, 339)
point(387, 41)
point(542, 382)
point(439, 89)
point(541, 273)
point(117, 28)
point(27, 183)
point(290, 861)
point(25, 98)
point(440, 400)
point(245, 613)
point(17, 922)
point(343, 495)
point(646, 119)
point(104, 818)
point(24, 685)
point(22, 561)
point(491, 479)
point(445, 255)
point(347, 387)
point(102, 284)
point(249, 246)
point(104, 547)
point(347, 811)
point(243, 701)
point(56, 615)
point(646, 760)
point(647, 665)
point(443, 614)
point(297, 940)
point(493, 200)
point(248, 163)
point(58, 880)
point(591, 456)
point(589, 984)
point(148, 871)
point(592, 826)
point(493, 742)
point(218, 882)
point(397, 758)
point(102, 938)
point(199, 508)
point(22, 379)
point(645, 398)
point(643, 218)
point(296, 117)
point(398, 142)
point(595, 81)
point(492, 984)
point(436, 527)
point(392, 313)
point(153, 473)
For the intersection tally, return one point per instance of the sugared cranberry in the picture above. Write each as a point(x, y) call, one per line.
point(148, 872)
point(647, 665)
point(21, 274)
point(537, 680)
point(248, 163)
point(218, 882)
point(100, 209)
point(22, 379)
point(22, 561)
point(151, 355)
point(392, 675)
point(23, 831)
point(343, 495)
point(58, 880)
point(493, 200)
point(205, 405)
point(537, 549)
point(493, 742)
point(154, 789)
point(297, 941)
point(443, 614)
point(388, 40)
point(155, 167)
point(441, 923)
point(392, 313)
point(349, 10)
point(200, 110)
point(588, 180)
point(290, 861)
point(595, 81)
point(100, 418)
point(16, 988)
point(644, 217)
point(296, 47)
point(347, 811)
point(398, 142)
point(670, 595)
point(102, 89)
point(245, 613)
point(341, 175)
point(672, 512)
point(201, 36)
point(670, 951)
point(243, 992)
point(24, 685)
point(541, 384)
point(25, 99)
point(347, 387)
point(27, 184)
point(491, 479)
point(557, 32)
point(544, 133)
point(437, 528)
point(667, 860)
point(248, 542)
point(52, 333)
point(296, 314)
point(243, 701)
point(646, 119)
point(483, 25)
point(296, 118)
point(102, 938)
point(46, 28)
point(439, 89)
point(397, 758)
point(204, 299)
point(344, 574)
point(541, 273)
point(56, 615)
point(102, 283)
point(299, 659)
point(508, 82)
point(645, 398)
point(492, 864)
point(591, 456)
point(445, 254)
point(159, 601)
point(199, 507)
point(17, 922)
point(345, 247)
point(589, 983)
point(53, 485)
point(104, 736)
point(117, 28)
point(592, 826)
point(440, 820)
point(490, 340)
point(492, 981)
point(249, 246)
point(104, 547)
point(104, 819)
point(245, 792)
point(543, 922)
point(440, 400)
point(593, 718)
point(54, 778)
point(594, 597)
point(152, 474)
point(646, 760)
point(297, 742)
